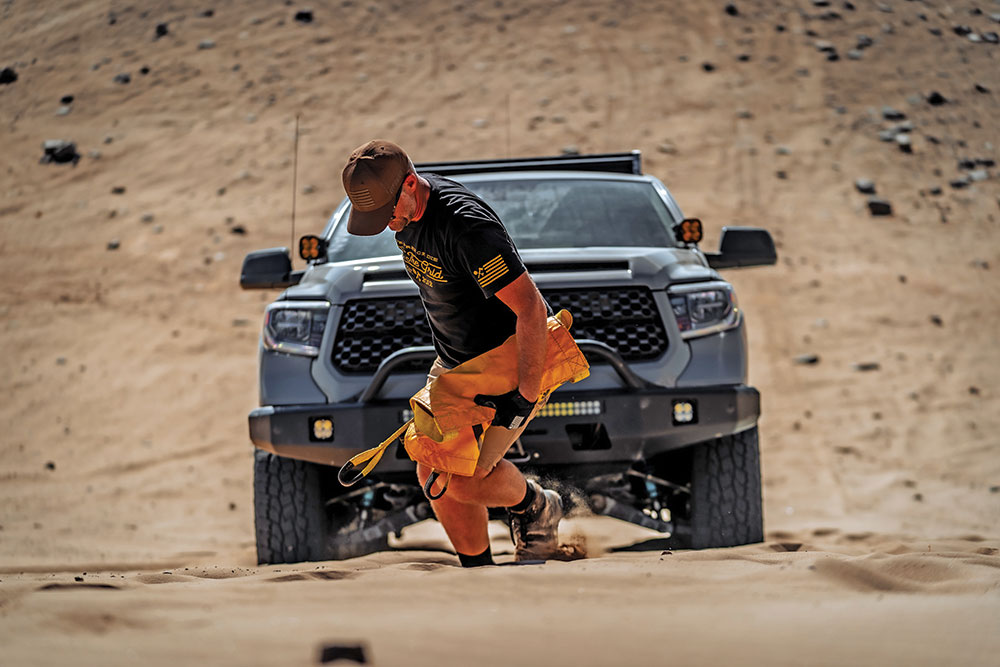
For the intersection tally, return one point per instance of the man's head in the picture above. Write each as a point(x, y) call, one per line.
point(373, 179)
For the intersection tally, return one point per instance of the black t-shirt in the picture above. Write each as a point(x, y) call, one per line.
point(459, 254)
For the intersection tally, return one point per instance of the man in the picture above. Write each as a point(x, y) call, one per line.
point(477, 293)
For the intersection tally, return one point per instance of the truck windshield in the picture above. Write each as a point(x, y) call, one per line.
point(550, 213)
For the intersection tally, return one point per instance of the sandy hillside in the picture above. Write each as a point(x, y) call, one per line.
point(130, 350)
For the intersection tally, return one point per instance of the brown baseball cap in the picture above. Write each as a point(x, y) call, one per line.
point(373, 179)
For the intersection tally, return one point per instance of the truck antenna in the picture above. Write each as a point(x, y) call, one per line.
point(295, 179)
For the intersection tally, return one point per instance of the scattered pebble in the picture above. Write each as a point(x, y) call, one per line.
point(732, 9)
point(878, 207)
point(206, 44)
point(114, 244)
point(239, 230)
point(7, 75)
point(162, 29)
point(123, 78)
point(866, 366)
point(888, 113)
point(865, 186)
point(936, 320)
point(708, 67)
point(118, 190)
point(807, 359)
point(50, 465)
point(936, 99)
point(59, 151)
point(304, 16)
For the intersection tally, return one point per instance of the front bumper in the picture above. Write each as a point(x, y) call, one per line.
point(613, 426)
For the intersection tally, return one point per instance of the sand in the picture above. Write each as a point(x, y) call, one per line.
point(128, 373)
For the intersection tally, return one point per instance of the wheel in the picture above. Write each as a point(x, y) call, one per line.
point(301, 513)
point(289, 515)
point(726, 508)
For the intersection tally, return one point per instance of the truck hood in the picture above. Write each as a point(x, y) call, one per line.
point(657, 268)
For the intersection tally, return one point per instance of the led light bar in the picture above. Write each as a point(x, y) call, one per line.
point(570, 409)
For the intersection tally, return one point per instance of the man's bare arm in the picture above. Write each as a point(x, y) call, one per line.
point(523, 297)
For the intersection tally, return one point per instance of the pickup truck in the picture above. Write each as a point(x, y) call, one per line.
point(662, 434)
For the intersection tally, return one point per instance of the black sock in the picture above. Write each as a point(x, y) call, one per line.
point(529, 497)
point(485, 558)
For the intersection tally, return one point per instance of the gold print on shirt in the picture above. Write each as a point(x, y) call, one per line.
point(422, 267)
point(490, 271)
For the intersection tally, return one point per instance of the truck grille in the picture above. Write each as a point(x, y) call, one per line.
point(627, 319)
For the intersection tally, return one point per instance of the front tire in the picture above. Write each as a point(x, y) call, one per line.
point(726, 506)
point(289, 516)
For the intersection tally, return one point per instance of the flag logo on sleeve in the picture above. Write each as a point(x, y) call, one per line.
point(490, 271)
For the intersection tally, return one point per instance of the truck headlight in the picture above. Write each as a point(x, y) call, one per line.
point(704, 308)
point(295, 327)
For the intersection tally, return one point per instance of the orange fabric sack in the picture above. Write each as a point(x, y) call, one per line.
point(447, 427)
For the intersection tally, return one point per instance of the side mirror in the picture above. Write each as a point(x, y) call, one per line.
point(267, 269)
point(743, 246)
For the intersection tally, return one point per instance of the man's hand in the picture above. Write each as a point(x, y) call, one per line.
point(511, 408)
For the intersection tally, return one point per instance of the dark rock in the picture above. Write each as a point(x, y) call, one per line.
point(991, 37)
point(865, 366)
point(239, 230)
point(919, 497)
point(935, 31)
point(833, 56)
point(50, 465)
point(962, 30)
point(864, 41)
point(66, 99)
point(123, 78)
point(112, 19)
point(743, 57)
point(824, 46)
point(889, 113)
point(8, 75)
point(779, 28)
point(985, 162)
point(708, 67)
point(304, 16)
point(830, 16)
point(77, 578)
point(144, 70)
point(343, 652)
point(781, 175)
point(904, 142)
point(206, 44)
point(849, 6)
point(807, 359)
point(118, 190)
point(59, 151)
point(966, 163)
point(974, 390)
point(932, 139)
point(960, 183)
point(878, 206)
point(732, 9)
point(161, 30)
point(114, 244)
point(936, 99)
point(207, 14)
point(936, 191)
point(821, 3)
point(936, 320)
point(865, 186)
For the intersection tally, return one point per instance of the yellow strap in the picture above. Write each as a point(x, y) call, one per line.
point(375, 453)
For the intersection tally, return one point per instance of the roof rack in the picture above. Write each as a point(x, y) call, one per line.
point(619, 163)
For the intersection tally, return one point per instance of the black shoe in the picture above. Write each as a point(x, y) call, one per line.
point(535, 531)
